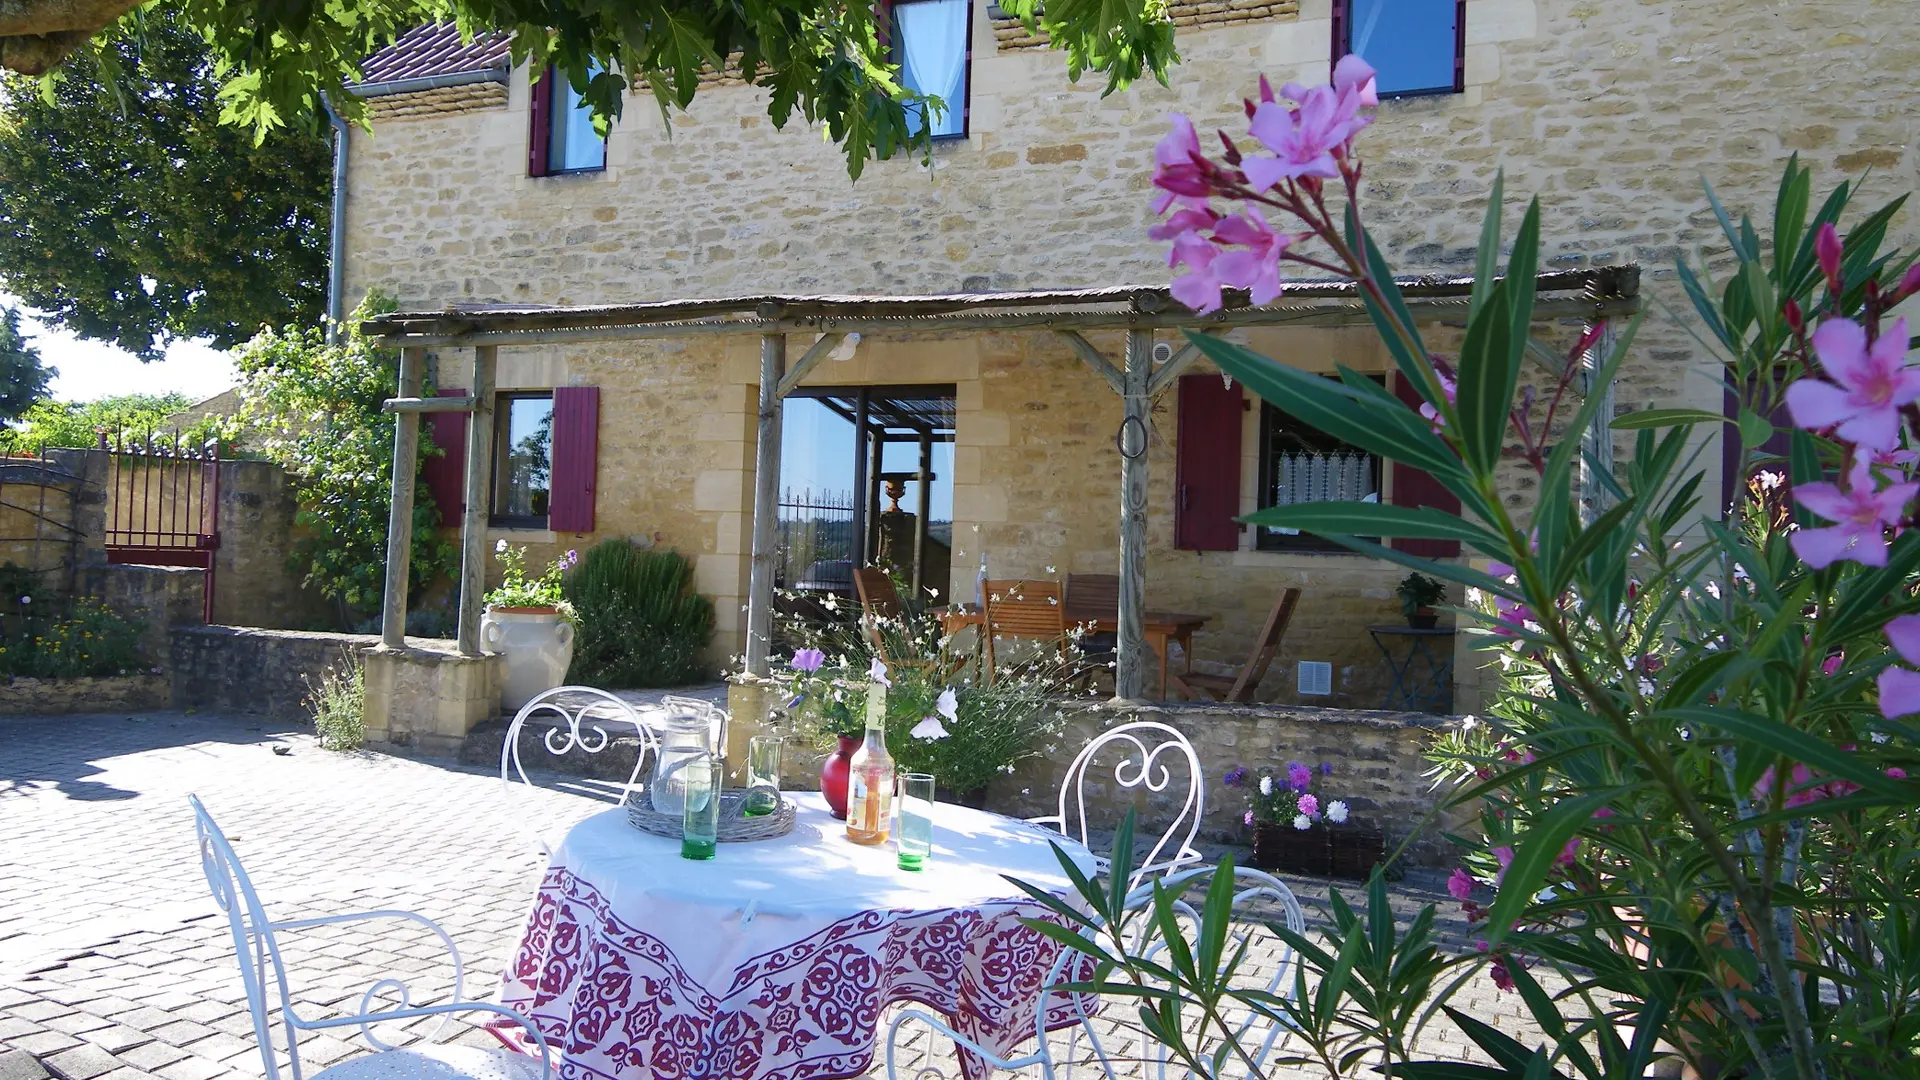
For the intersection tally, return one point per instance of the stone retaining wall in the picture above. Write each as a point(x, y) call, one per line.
point(258, 671)
point(104, 694)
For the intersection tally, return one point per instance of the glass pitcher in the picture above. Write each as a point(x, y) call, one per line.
point(685, 737)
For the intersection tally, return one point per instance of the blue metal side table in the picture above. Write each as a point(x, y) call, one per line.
point(1431, 691)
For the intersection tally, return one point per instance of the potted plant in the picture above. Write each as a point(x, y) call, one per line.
point(1418, 594)
point(1285, 813)
point(530, 623)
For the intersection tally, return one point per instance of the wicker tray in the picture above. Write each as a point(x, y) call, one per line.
point(735, 825)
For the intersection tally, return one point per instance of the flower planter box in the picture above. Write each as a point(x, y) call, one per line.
point(1356, 851)
point(1290, 850)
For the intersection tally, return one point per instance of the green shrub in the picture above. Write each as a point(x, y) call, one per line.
point(639, 622)
point(338, 705)
point(88, 638)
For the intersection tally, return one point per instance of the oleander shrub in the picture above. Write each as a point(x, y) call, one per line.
point(638, 621)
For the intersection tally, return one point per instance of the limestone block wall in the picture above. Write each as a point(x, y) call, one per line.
point(160, 598)
point(254, 582)
point(103, 694)
point(243, 669)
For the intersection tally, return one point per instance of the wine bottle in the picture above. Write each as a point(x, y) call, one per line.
point(870, 777)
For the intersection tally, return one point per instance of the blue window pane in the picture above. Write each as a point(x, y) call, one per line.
point(1410, 42)
point(572, 144)
point(930, 44)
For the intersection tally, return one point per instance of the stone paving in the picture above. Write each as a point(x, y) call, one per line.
point(114, 964)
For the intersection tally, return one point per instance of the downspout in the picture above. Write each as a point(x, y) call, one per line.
point(337, 240)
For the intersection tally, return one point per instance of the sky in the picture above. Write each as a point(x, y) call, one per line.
point(95, 369)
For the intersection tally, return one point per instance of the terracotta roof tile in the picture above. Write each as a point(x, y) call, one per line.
point(434, 50)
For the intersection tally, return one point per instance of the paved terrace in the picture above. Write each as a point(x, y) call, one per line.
point(114, 965)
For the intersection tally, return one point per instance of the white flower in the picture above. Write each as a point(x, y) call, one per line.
point(877, 671)
point(500, 547)
point(1880, 737)
point(929, 729)
point(1337, 812)
point(948, 705)
point(1302, 822)
point(1646, 686)
point(1266, 785)
point(1713, 589)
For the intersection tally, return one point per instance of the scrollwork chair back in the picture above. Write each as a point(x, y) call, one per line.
point(1086, 1041)
point(1152, 757)
point(262, 969)
point(588, 720)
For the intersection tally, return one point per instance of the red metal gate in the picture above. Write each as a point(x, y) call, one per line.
point(163, 506)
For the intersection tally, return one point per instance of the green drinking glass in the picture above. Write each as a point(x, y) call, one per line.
point(700, 823)
point(915, 806)
point(763, 773)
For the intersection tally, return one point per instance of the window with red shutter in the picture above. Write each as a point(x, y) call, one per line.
point(576, 453)
point(445, 473)
point(1416, 487)
point(1301, 464)
point(1207, 465)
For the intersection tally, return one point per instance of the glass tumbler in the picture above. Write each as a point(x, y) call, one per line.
point(700, 822)
point(763, 771)
point(915, 836)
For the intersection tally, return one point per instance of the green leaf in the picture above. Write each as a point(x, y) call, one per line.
point(1489, 249)
point(1483, 399)
point(1523, 268)
point(1663, 418)
point(1794, 745)
point(1375, 519)
point(1755, 429)
point(1504, 1049)
point(1560, 461)
point(1394, 321)
point(1534, 853)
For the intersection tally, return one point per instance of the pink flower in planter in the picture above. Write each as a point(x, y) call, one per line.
point(1460, 885)
point(1309, 805)
point(1248, 819)
point(1873, 380)
point(1298, 776)
point(1861, 515)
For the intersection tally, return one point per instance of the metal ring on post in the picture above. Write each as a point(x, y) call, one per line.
point(1120, 438)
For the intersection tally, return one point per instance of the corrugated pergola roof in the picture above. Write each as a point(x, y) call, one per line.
point(1597, 292)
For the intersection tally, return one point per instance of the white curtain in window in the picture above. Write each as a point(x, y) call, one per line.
point(933, 55)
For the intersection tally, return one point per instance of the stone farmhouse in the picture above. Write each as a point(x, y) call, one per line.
point(479, 185)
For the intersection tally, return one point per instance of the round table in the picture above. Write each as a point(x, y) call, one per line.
point(774, 960)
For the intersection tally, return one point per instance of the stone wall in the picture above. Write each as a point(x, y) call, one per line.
point(1611, 113)
point(161, 598)
point(244, 669)
point(59, 697)
point(254, 582)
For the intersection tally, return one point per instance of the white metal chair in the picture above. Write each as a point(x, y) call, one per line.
point(1140, 766)
point(1080, 1042)
point(577, 708)
point(258, 953)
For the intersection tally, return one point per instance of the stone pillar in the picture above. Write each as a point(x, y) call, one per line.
point(428, 696)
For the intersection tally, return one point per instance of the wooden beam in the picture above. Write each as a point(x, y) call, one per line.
point(416, 404)
point(1130, 671)
point(808, 361)
point(1343, 313)
point(1596, 442)
point(406, 465)
point(1100, 364)
point(473, 524)
point(766, 506)
point(1169, 371)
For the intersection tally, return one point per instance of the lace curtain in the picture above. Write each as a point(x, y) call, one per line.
point(1322, 477)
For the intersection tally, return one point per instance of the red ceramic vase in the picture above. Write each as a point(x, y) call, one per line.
point(833, 776)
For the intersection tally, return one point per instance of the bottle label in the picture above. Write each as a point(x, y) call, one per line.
point(856, 798)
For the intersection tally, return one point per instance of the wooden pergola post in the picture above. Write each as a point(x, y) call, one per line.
point(766, 505)
point(473, 524)
point(406, 463)
point(1130, 675)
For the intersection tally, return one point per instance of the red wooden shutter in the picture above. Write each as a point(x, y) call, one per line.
point(446, 474)
point(576, 454)
point(1416, 487)
point(1206, 471)
point(1339, 47)
point(539, 131)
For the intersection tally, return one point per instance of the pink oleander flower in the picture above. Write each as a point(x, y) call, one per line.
point(1303, 139)
point(1827, 251)
point(1861, 515)
point(1187, 219)
point(1179, 169)
point(1354, 78)
point(1200, 288)
point(1896, 773)
point(1832, 664)
point(1873, 380)
point(1439, 422)
point(1502, 978)
point(1899, 692)
point(1568, 853)
point(1903, 634)
point(1309, 805)
point(1460, 885)
point(1503, 853)
point(1254, 263)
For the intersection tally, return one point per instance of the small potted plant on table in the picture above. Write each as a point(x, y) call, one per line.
point(529, 622)
point(1418, 594)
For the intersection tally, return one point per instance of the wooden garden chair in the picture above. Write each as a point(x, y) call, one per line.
point(1017, 608)
point(1091, 598)
point(1241, 687)
point(880, 603)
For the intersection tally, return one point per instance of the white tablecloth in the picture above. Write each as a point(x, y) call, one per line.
point(774, 960)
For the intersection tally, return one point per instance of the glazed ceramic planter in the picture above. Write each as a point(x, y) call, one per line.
point(538, 645)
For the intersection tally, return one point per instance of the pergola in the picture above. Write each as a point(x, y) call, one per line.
point(1594, 295)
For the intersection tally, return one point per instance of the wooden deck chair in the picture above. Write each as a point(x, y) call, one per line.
point(1090, 597)
point(880, 602)
point(1018, 608)
point(1241, 687)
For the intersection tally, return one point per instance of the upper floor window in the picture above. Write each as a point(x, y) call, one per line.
point(1417, 46)
point(930, 43)
point(1299, 464)
point(522, 459)
point(563, 139)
